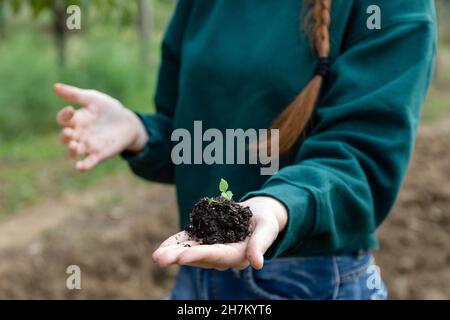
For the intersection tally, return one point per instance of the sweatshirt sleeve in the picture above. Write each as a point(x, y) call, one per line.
point(348, 172)
point(154, 163)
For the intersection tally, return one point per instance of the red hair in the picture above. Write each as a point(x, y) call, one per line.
point(294, 119)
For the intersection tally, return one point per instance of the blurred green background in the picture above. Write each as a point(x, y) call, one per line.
point(116, 51)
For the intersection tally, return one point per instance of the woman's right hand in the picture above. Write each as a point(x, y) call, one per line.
point(102, 128)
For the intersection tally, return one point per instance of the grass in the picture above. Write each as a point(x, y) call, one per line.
point(38, 168)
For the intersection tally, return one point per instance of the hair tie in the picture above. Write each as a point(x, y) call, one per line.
point(323, 67)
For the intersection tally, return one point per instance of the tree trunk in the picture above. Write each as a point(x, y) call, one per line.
point(59, 29)
point(2, 20)
point(145, 26)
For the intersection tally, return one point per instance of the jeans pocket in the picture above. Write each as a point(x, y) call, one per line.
point(293, 279)
point(360, 279)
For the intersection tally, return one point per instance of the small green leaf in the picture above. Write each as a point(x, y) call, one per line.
point(227, 195)
point(223, 185)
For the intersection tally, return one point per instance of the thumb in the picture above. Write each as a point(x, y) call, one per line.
point(74, 94)
point(263, 236)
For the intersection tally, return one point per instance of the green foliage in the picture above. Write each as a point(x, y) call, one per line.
point(29, 68)
point(223, 185)
point(115, 12)
point(104, 56)
point(108, 7)
point(37, 168)
point(223, 188)
point(27, 71)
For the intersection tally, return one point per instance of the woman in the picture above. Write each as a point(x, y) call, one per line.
point(345, 139)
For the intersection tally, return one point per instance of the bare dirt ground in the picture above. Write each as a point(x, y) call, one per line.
point(415, 240)
point(111, 230)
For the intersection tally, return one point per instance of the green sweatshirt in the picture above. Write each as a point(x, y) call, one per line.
point(238, 64)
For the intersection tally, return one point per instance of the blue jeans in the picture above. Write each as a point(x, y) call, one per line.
point(348, 276)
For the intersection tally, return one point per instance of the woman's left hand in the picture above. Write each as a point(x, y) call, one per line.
point(268, 220)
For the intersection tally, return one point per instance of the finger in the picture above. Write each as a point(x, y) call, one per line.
point(88, 163)
point(67, 135)
point(74, 94)
point(77, 149)
point(186, 244)
point(65, 116)
point(241, 266)
point(165, 257)
point(73, 147)
point(215, 256)
point(261, 239)
point(207, 266)
point(176, 239)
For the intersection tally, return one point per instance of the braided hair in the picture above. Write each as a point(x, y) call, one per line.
point(294, 119)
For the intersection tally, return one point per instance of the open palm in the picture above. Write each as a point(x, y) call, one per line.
point(100, 129)
point(269, 218)
point(181, 250)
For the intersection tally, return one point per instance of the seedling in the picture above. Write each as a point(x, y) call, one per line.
point(224, 192)
point(219, 219)
point(223, 188)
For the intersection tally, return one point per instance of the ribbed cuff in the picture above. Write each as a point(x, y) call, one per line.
point(300, 205)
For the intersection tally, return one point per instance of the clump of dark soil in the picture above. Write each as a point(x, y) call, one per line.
point(219, 220)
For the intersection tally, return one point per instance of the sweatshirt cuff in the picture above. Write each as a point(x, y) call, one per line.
point(156, 145)
point(300, 205)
